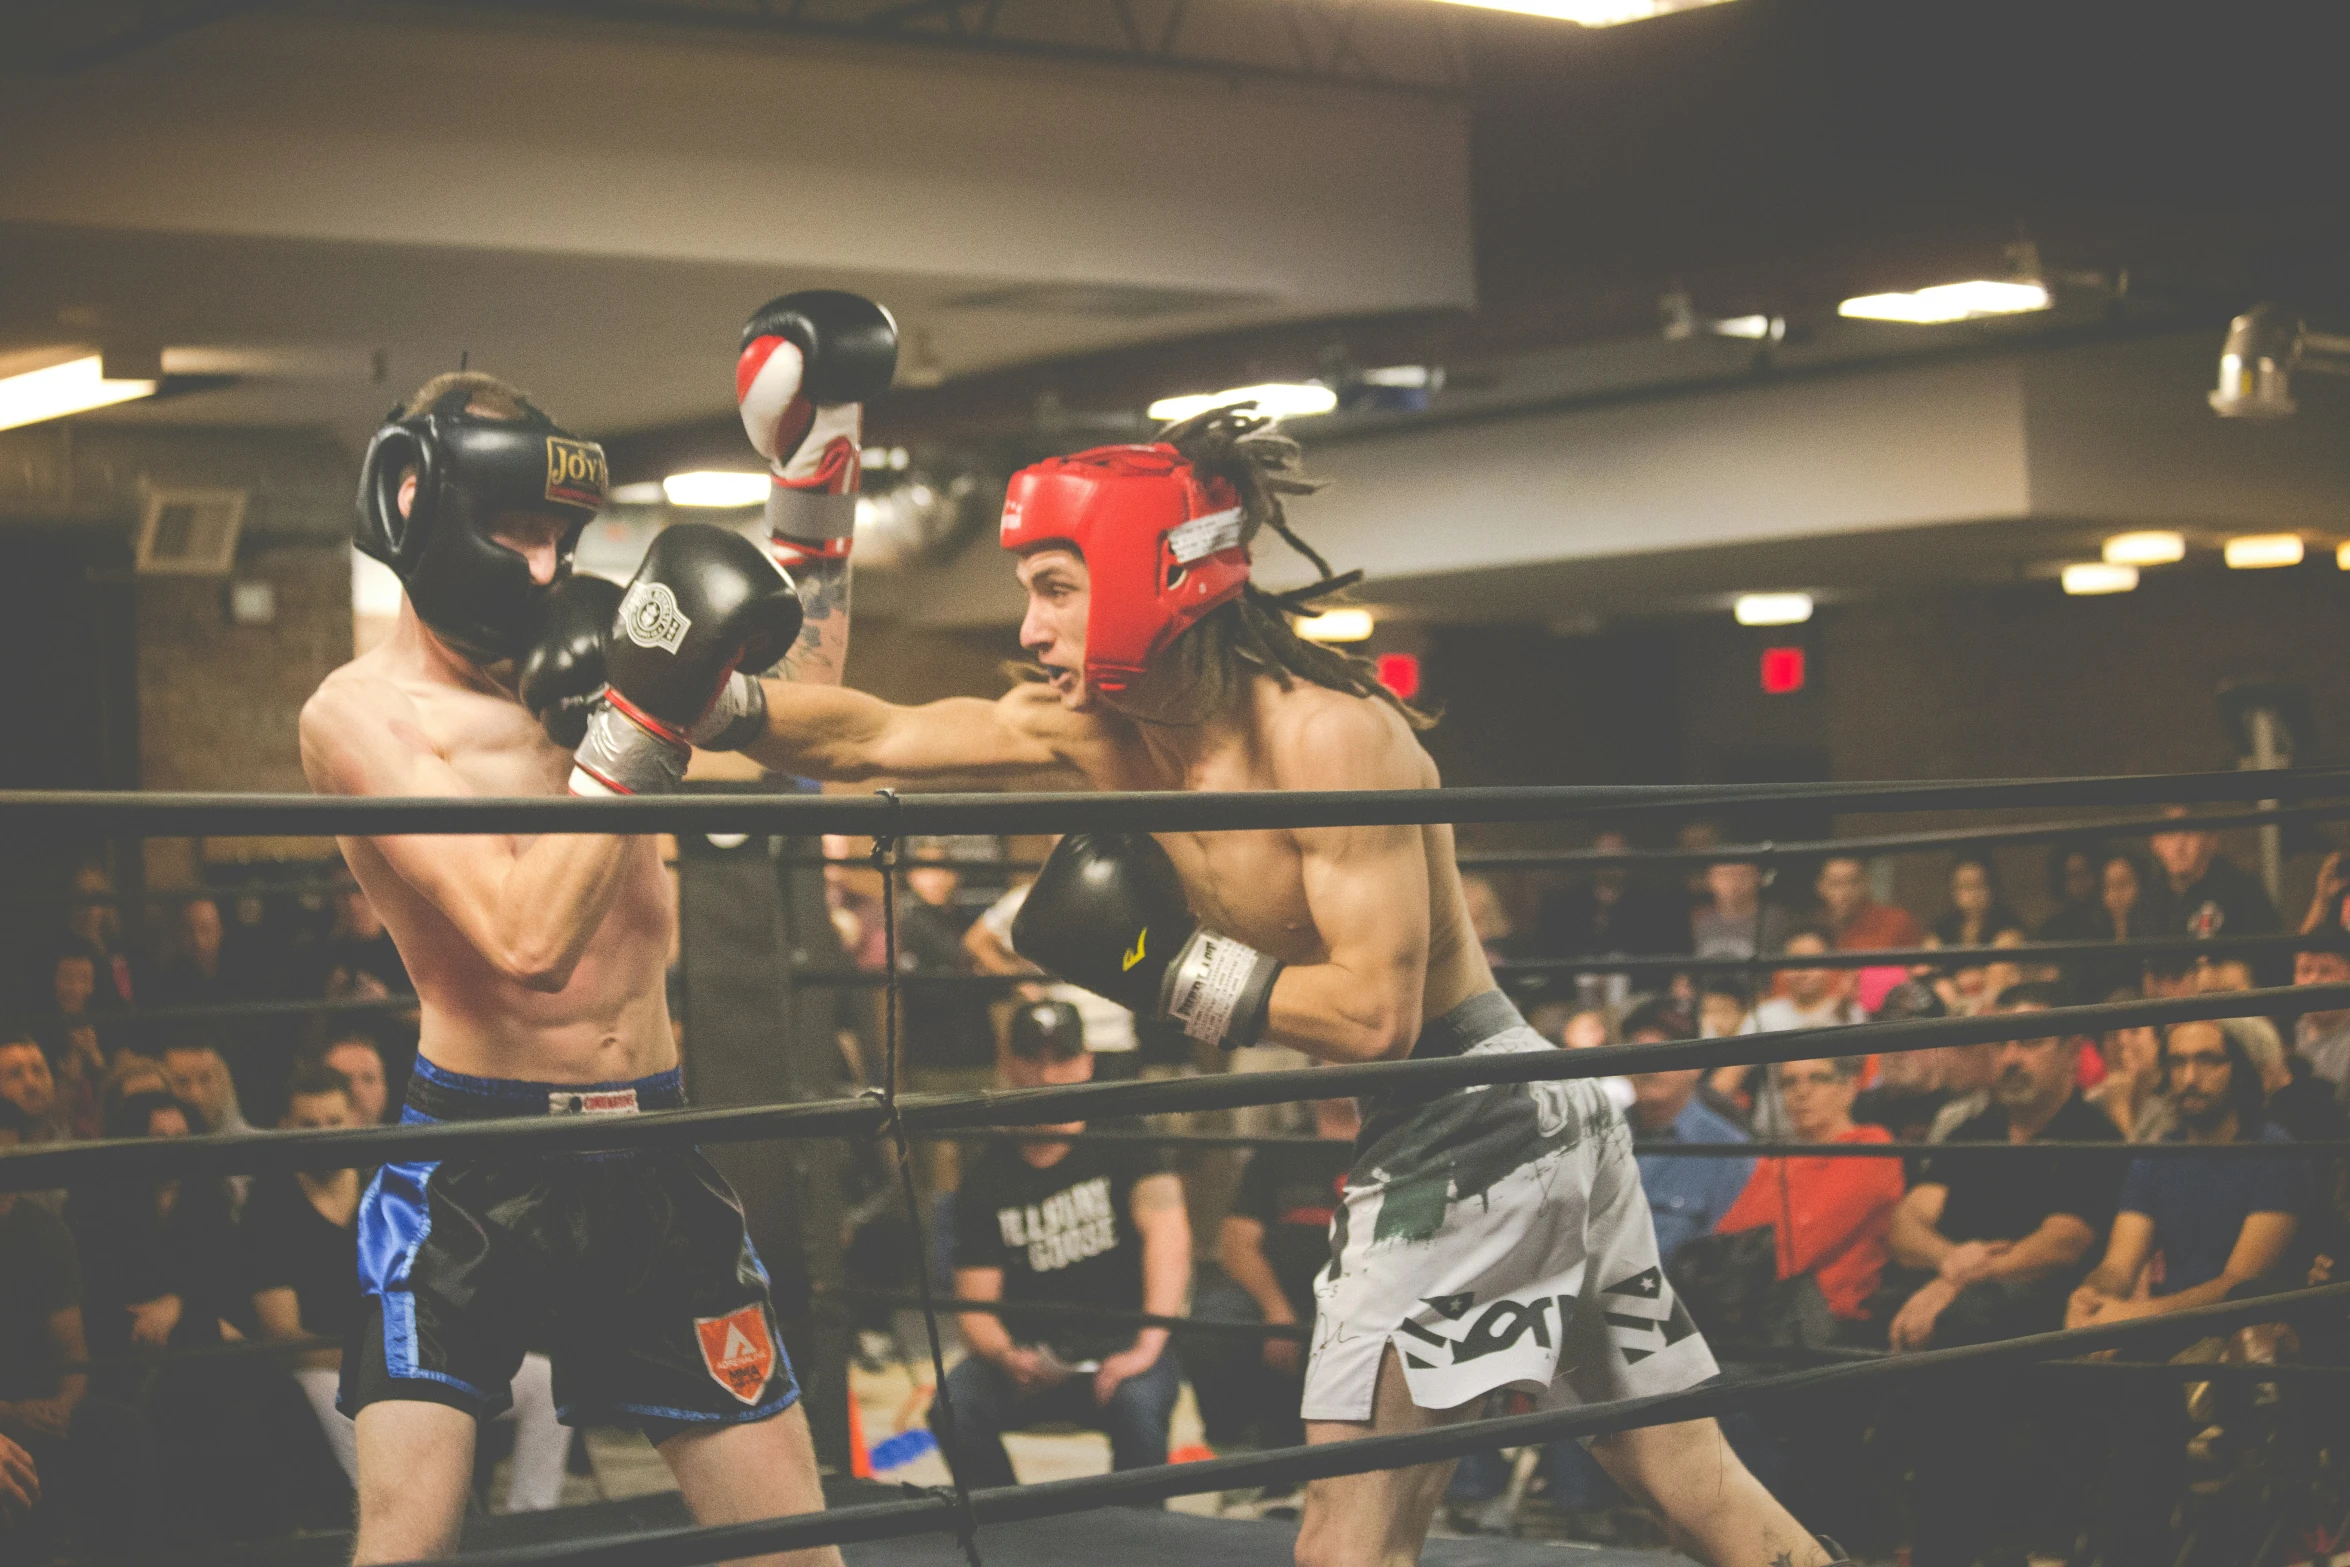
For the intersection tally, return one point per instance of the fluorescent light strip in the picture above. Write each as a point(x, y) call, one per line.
point(2156, 548)
point(1967, 301)
point(2099, 576)
point(76, 386)
point(1336, 625)
point(706, 488)
point(2259, 551)
point(1772, 609)
point(1277, 400)
point(1590, 13)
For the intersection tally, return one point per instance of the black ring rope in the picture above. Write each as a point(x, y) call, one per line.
point(2057, 953)
point(66, 1164)
point(688, 1547)
point(124, 813)
point(1518, 859)
point(1139, 1137)
point(966, 1523)
point(1726, 1351)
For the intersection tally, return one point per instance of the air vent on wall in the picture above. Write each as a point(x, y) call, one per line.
point(190, 533)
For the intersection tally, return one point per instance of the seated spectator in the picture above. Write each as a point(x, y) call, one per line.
point(1808, 998)
point(158, 1258)
point(1976, 912)
point(2002, 1240)
point(2197, 1231)
point(1272, 1246)
point(1607, 913)
point(1909, 1091)
point(301, 1263)
point(76, 1053)
point(358, 957)
point(2203, 893)
point(1967, 1070)
point(1725, 1007)
point(93, 917)
point(2131, 1093)
point(86, 1447)
point(1856, 921)
point(1831, 1214)
point(131, 1074)
point(359, 1061)
point(2073, 885)
point(2320, 1038)
point(27, 1083)
point(1085, 1224)
point(1688, 1195)
point(1589, 1027)
point(2117, 915)
point(1737, 923)
point(200, 1081)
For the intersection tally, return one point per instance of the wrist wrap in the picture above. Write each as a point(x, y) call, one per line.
point(628, 751)
point(1220, 990)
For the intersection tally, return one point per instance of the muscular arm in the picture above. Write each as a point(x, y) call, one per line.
point(821, 654)
point(2061, 1240)
point(2125, 1254)
point(1914, 1239)
point(848, 736)
point(1367, 889)
point(1241, 1248)
point(529, 912)
point(1166, 1254)
point(983, 1332)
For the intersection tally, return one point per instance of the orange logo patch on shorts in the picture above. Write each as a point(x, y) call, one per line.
point(738, 1351)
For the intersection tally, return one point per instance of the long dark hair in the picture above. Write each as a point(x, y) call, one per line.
point(1253, 633)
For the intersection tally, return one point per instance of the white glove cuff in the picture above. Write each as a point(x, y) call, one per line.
point(1214, 983)
point(737, 718)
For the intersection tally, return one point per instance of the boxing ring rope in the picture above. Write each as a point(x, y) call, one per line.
point(888, 818)
point(53, 1164)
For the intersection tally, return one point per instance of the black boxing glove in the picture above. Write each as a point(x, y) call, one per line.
point(703, 601)
point(1107, 912)
point(810, 362)
point(563, 673)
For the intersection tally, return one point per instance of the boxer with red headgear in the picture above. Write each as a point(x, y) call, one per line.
point(1487, 1238)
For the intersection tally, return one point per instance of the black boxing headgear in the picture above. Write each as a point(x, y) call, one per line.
point(475, 593)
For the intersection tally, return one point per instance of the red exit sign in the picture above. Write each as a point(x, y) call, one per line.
point(1782, 670)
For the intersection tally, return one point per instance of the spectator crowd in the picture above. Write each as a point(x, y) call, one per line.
point(1964, 1213)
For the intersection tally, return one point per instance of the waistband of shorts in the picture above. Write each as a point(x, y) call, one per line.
point(1469, 1024)
point(437, 1094)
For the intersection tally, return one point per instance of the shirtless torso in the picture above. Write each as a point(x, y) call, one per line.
point(408, 718)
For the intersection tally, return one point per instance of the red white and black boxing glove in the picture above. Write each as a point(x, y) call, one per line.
point(1107, 912)
point(703, 603)
point(810, 362)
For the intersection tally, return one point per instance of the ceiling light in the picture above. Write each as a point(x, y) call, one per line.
point(74, 387)
point(2342, 556)
point(1949, 302)
point(1773, 609)
point(2099, 576)
point(705, 488)
point(646, 492)
point(2157, 548)
point(1336, 625)
point(1752, 328)
point(1414, 378)
point(1278, 400)
point(1591, 13)
point(2257, 551)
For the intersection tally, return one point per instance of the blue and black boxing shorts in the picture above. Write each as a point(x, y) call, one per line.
point(632, 1270)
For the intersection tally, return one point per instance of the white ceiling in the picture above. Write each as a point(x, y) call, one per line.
point(347, 201)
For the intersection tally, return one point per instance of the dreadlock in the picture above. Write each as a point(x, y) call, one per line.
point(1253, 632)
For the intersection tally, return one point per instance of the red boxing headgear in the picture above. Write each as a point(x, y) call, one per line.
point(1161, 543)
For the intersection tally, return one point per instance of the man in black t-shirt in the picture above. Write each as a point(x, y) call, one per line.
point(85, 1448)
point(1273, 1245)
point(2001, 1239)
point(1065, 1223)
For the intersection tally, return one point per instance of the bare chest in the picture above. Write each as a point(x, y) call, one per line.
point(1248, 884)
point(491, 741)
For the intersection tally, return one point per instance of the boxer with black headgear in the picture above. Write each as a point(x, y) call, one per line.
point(1487, 1238)
point(539, 966)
